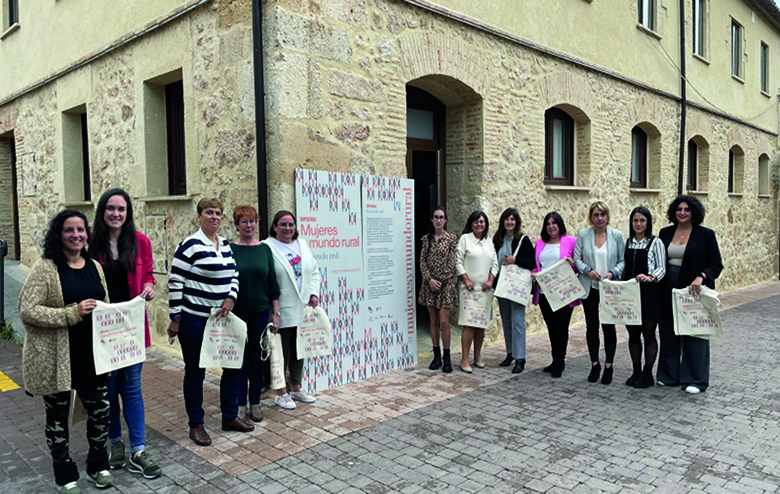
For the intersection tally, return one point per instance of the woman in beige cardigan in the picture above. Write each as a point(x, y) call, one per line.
point(55, 306)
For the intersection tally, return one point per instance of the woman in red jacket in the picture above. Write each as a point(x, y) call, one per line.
point(126, 257)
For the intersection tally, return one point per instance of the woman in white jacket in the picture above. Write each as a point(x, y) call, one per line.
point(299, 279)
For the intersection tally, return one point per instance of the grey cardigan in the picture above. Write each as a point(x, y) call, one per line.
point(585, 255)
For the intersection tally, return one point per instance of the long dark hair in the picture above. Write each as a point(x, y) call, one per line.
point(558, 220)
point(127, 244)
point(498, 238)
point(646, 213)
point(474, 217)
point(52, 244)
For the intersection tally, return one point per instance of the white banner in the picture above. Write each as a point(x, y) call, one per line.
point(696, 315)
point(314, 336)
point(224, 339)
point(330, 219)
point(118, 335)
point(620, 302)
point(476, 307)
point(388, 253)
point(515, 284)
point(560, 285)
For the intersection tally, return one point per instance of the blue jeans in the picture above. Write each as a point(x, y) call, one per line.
point(127, 384)
point(252, 369)
point(191, 330)
point(513, 321)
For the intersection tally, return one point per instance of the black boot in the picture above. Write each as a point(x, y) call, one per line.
point(436, 359)
point(595, 370)
point(507, 361)
point(635, 376)
point(519, 366)
point(646, 379)
point(447, 367)
point(607, 377)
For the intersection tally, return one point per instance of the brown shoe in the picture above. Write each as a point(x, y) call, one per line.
point(238, 425)
point(255, 413)
point(199, 435)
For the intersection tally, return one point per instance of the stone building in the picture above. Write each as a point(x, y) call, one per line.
point(537, 105)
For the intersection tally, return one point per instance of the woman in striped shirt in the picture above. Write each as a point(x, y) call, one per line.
point(203, 276)
point(646, 262)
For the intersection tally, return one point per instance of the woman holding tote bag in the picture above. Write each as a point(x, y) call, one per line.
point(513, 247)
point(298, 276)
point(692, 260)
point(598, 254)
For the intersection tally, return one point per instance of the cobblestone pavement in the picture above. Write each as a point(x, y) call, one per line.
point(422, 431)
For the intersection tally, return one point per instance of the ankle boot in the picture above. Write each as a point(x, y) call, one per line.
point(646, 379)
point(436, 359)
point(447, 364)
point(519, 366)
point(595, 370)
point(507, 361)
point(635, 376)
point(607, 377)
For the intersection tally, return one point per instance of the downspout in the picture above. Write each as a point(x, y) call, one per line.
point(683, 100)
point(262, 172)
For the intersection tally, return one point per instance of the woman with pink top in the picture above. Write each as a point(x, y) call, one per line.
point(551, 248)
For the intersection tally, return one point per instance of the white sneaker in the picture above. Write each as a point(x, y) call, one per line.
point(302, 397)
point(284, 401)
point(692, 390)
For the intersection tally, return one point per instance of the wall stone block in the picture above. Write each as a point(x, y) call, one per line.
point(354, 87)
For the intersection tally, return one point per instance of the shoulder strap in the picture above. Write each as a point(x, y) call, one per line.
point(520, 243)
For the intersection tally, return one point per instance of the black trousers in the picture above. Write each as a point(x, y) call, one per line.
point(557, 328)
point(592, 323)
point(57, 434)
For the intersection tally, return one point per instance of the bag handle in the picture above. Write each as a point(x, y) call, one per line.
point(265, 351)
point(518, 246)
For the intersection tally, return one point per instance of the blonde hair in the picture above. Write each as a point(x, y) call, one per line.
point(598, 205)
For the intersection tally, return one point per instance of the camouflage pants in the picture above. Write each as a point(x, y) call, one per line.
point(57, 436)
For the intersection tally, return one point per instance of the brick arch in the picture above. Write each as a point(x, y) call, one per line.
point(569, 92)
point(425, 54)
point(646, 111)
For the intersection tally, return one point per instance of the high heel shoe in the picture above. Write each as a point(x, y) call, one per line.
point(507, 361)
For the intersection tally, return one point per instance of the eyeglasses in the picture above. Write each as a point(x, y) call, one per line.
point(439, 218)
point(286, 225)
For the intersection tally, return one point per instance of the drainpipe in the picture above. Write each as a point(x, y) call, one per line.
point(262, 175)
point(683, 101)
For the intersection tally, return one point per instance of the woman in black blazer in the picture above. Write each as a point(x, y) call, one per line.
point(692, 259)
point(506, 241)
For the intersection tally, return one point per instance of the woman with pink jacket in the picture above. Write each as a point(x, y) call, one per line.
point(551, 248)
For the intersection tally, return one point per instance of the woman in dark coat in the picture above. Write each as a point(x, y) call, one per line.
point(692, 260)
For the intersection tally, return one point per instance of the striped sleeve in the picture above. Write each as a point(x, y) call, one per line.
point(656, 259)
point(180, 266)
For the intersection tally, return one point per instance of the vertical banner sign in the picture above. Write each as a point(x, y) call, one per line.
point(329, 218)
point(390, 336)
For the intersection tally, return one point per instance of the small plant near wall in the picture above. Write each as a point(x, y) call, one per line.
point(775, 172)
point(7, 332)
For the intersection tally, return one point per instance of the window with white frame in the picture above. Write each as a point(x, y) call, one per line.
point(699, 27)
point(10, 14)
point(647, 13)
point(736, 49)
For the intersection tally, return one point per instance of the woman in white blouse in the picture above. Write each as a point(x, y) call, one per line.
point(476, 266)
point(598, 254)
point(645, 262)
point(299, 280)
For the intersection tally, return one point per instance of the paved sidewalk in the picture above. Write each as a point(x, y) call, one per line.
point(421, 431)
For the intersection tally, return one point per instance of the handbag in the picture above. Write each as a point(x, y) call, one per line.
point(271, 349)
point(224, 339)
point(118, 335)
point(314, 336)
point(514, 282)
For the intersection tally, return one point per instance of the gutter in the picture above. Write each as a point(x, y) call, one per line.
point(262, 171)
point(683, 101)
point(150, 26)
point(513, 38)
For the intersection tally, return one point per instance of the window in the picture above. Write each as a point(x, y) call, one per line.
point(559, 147)
point(736, 49)
point(699, 27)
point(693, 151)
point(763, 175)
point(638, 158)
point(174, 123)
point(75, 155)
point(764, 67)
point(736, 170)
point(647, 14)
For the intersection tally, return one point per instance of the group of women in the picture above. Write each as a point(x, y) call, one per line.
point(259, 281)
point(683, 255)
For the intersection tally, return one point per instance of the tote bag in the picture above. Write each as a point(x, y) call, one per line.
point(514, 282)
point(696, 315)
point(273, 347)
point(314, 336)
point(118, 335)
point(620, 302)
point(223, 344)
point(476, 307)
